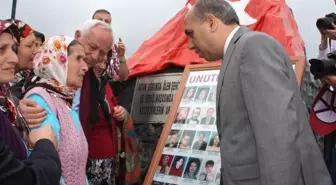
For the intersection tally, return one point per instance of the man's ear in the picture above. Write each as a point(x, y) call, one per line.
point(212, 21)
point(78, 34)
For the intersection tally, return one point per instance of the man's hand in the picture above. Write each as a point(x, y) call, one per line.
point(329, 79)
point(331, 34)
point(120, 48)
point(44, 132)
point(119, 113)
point(33, 114)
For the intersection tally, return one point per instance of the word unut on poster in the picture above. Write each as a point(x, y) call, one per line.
point(153, 97)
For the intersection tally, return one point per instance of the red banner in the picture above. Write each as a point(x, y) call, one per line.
point(169, 46)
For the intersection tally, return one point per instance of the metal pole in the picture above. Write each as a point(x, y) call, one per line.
point(13, 9)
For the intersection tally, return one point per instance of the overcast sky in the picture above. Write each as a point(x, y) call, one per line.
point(136, 20)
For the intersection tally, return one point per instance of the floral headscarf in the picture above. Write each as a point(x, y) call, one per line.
point(51, 64)
point(23, 28)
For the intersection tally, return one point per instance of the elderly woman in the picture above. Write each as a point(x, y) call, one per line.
point(43, 166)
point(59, 70)
point(105, 121)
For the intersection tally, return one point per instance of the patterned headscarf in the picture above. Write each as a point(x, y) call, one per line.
point(23, 29)
point(51, 65)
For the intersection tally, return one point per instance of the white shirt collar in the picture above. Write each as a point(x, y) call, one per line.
point(228, 40)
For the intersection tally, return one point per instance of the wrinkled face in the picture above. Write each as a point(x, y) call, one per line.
point(185, 140)
point(179, 163)
point(103, 17)
point(208, 168)
point(210, 112)
point(8, 58)
point(100, 68)
point(201, 38)
point(76, 67)
point(97, 42)
point(38, 43)
point(27, 51)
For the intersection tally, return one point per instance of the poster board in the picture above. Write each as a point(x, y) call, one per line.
point(188, 150)
point(153, 96)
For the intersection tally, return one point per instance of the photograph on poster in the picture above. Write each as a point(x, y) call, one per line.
point(201, 140)
point(209, 118)
point(202, 94)
point(181, 115)
point(194, 117)
point(164, 165)
point(214, 143)
point(189, 94)
point(212, 95)
point(173, 138)
point(178, 165)
point(208, 170)
point(193, 168)
point(186, 139)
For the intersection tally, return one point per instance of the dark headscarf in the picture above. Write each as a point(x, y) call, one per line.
point(23, 28)
point(7, 131)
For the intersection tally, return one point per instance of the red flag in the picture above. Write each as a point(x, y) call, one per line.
point(169, 46)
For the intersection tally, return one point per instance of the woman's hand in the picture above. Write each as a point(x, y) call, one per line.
point(119, 113)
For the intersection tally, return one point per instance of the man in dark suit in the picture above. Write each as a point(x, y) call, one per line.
point(208, 119)
point(200, 144)
point(261, 120)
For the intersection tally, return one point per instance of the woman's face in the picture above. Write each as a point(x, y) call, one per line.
point(100, 68)
point(190, 93)
point(8, 58)
point(179, 163)
point(216, 141)
point(193, 167)
point(173, 139)
point(185, 140)
point(165, 160)
point(202, 95)
point(76, 67)
point(27, 51)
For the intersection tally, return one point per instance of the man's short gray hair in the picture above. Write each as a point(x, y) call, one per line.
point(219, 8)
point(89, 24)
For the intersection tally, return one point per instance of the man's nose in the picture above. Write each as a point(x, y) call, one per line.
point(95, 57)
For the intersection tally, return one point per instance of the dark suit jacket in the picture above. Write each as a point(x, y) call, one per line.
point(261, 119)
point(43, 167)
point(211, 122)
point(198, 146)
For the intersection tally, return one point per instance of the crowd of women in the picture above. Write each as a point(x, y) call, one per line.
point(60, 122)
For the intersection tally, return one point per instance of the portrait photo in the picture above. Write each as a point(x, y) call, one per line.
point(212, 94)
point(208, 171)
point(210, 117)
point(192, 168)
point(189, 94)
point(177, 166)
point(214, 143)
point(181, 115)
point(186, 139)
point(201, 140)
point(164, 164)
point(194, 117)
point(202, 94)
point(173, 138)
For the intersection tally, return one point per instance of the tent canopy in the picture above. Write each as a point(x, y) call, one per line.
point(169, 46)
